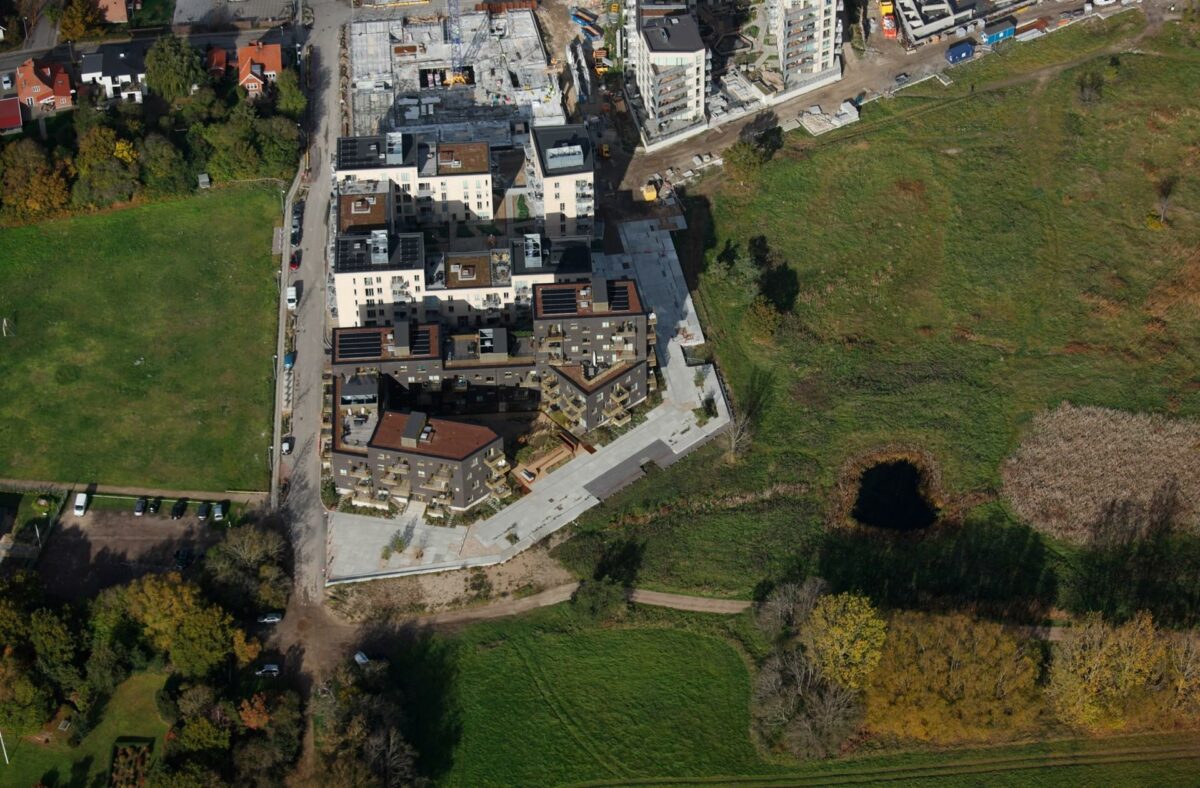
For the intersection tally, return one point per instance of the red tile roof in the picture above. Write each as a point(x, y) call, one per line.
point(451, 440)
point(217, 60)
point(44, 81)
point(10, 114)
point(258, 60)
point(115, 12)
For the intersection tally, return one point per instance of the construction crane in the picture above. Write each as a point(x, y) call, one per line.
point(457, 75)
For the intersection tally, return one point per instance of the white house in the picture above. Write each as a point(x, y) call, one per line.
point(118, 69)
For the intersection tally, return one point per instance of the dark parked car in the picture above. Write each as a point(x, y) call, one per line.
point(901, 78)
point(155, 505)
point(139, 508)
point(205, 509)
point(183, 558)
point(179, 509)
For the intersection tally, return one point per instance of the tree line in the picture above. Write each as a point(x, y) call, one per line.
point(114, 153)
point(226, 727)
point(840, 669)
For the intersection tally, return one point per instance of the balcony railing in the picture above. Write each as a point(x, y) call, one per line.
point(495, 461)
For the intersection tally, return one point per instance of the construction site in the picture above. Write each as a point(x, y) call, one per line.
point(451, 74)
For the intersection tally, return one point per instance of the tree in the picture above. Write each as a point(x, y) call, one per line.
point(289, 98)
point(744, 161)
point(32, 188)
point(788, 607)
point(173, 67)
point(107, 169)
point(278, 142)
point(55, 649)
point(254, 713)
point(80, 19)
point(1100, 673)
point(1165, 189)
point(845, 638)
point(1091, 86)
point(164, 170)
point(762, 318)
point(198, 636)
point(199, 734)
point(599, 599)
point(246, 569)
point(795, 708)
point(24, 703)
point(950, 678)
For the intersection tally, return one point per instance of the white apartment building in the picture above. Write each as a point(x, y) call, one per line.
point(671, 66)
point(378, 280)
point(809, 33)
point(433, 183)
point(560, 180)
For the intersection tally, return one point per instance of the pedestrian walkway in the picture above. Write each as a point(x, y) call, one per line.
point(241, 496)
point(670, 431)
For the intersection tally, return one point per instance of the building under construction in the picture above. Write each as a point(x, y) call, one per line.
point(403, 74)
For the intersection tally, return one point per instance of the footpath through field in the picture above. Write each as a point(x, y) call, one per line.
point(240, 496)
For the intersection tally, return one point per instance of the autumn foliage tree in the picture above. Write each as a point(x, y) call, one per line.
point(80, 19)
point(33, 188)
point(845, 636)
point(952, 678)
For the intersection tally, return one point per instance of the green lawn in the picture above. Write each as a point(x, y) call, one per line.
point(130, 713)
point(140, 344)
point(545, 701)
point(971, 261)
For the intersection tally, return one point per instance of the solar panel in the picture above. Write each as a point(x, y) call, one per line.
point(420, 342)
point(618, 296)
point(559, 302)
point(359, 345)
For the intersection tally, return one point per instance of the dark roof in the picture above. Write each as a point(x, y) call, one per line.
point(999, 25)
point(451, 440)
point(377, 251)
point(578, 299)
point(563, 150)
point(380, 150)
point(115, 60)
point(674, 33)
point(567, 257)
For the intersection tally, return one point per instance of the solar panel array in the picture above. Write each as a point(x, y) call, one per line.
point(559, 301)
point(411, 250)
point(618, 296)
point(420, 342)
point(359, 345)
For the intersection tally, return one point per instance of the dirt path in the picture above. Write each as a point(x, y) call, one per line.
point(695, 604)
point(250, 497)
point(1014, 763)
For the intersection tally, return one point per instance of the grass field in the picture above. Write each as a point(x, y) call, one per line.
point(545, 700)
point(140, 344)
point(130, 713)
point(975, 260)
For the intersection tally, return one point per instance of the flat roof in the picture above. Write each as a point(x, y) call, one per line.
point(577, 299)
point(673, 33)
point(462, 158)
point(363, 210)
point(386, 343)
point(577, 376)
point(375, 151)
point(533, 254)
point(563, 150)
point(491, 268)
point(377, 251)
point(446, 439)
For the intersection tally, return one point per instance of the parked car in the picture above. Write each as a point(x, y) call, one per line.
point(528, 475)
point(218, 512)
point(268, 671)
point(293, 299)
point(289, 360)
point(183, 558)
point(81, 504)
point(6, 82)
point(362, 659)
point(270, 618)
point(294, 263)
point(287, 444)
point(204, 511)
point(179, 509)
point(139, 508)
point(901, 78)
point(155, 505)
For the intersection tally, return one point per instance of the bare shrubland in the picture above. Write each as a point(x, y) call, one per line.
point(1080, 472)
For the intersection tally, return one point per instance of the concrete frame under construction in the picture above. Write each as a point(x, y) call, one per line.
point(399, 69)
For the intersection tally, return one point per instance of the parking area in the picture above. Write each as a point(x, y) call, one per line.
point(109, 545)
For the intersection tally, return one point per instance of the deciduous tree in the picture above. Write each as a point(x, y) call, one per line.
point(173, 67)
point(80, 19)
point(289, 98)
point(33, 189)
point(845, 637)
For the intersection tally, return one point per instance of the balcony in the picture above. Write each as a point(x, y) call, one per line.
point(616, 415)
point(496, 462)
point(360, 472)
point(498, 485)
point(549, 384)
point(620, 394)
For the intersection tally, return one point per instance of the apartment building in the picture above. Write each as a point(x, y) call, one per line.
point(595, 349)
point(433, 182)
point(378, 279)
point(809, 34)
point(448, 465)
point(671, 66)
point(560, 176)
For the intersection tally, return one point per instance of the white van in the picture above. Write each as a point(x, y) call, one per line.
point(81, 502)
point(292, 299)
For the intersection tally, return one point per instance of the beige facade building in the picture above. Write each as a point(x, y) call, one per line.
point(560, 175)
point(809, 33)
point(671, 65)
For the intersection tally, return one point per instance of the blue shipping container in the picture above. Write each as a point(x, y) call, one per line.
point(961, 51)
point(998, 31)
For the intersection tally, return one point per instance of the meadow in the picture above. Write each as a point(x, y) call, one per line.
point(943, 271)
point(139, 344)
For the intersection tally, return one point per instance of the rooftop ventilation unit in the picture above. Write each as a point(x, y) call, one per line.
point(564, 157)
